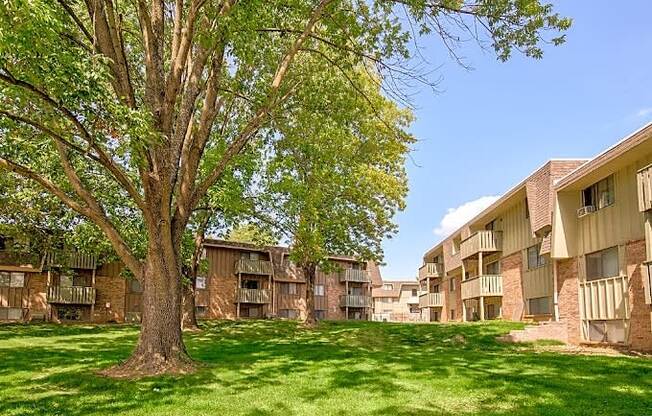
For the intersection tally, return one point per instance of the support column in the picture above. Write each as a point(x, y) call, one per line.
point(480, 271)
point(237, 297)
point(463, 311)
point(428, 287)
point(555, 292)
point(269, 287)
point(482, 308)
point(346, 299)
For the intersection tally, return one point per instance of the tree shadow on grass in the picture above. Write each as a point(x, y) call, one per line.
point(400, 369)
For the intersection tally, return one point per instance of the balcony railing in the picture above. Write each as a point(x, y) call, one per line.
point(354, 275)
point(253, 295)
point(481, 241)
point(247, 266)
point(355, 301)
point(431, 270)
point(20, 259)
point(605, 299)
point(486, 285)
point(644, 182)
point(72, 295)
point(70, 259)
point(431, 300)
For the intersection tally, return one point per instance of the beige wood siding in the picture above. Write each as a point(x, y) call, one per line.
point(517, 231)
point(537, 283)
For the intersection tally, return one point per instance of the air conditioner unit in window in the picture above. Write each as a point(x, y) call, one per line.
point(585, 211)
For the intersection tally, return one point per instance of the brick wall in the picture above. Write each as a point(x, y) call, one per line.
point(110, 299)
point(569, 309)
point(334, 289)
point(37, 290)
point(222, 297)
point(511, 270)
point(640, 332)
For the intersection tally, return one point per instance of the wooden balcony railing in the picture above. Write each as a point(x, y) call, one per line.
point(20, 259)
point(263, 267)
point(605, 299)
point(253, 295)
point(431, 300)
point(73, 295)
point(481, 241)
point(486, 285)
point(355, 301)
point(354, 275)
point(644, 182)
point(70, 259)
point(431, 270)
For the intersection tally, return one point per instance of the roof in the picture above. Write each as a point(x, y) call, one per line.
point(237, 245)
point(504, 198)
point(626, 144)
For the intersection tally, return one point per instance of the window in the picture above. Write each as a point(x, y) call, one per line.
point(135, 286)
point(493, 268)
point(11, 314)
point(600, 194)
point(288, 313)
point(320, 315)
point(13, 279)
point(200, 282)
point(455, 246)
point(602, 264)
point(414, 292)
point(320, 290)
point(201, 310)
point(540, 306)
point(250, 284)
point(451, 315)
point(250, 255)
point(534, 259)
point(435, 289)
point(388, 286)
point(491, 226)
point(291, 289)
point(451, 285)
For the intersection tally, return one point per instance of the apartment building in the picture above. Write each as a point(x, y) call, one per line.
point(396, 301)
point(571, 243)
point(242, 281)
point(602, 245)
point(498, 264)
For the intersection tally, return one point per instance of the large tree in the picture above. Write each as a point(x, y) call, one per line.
point(160, 96)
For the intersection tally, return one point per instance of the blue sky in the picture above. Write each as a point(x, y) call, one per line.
point(490, 127)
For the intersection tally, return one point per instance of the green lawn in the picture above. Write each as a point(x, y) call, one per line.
point(345, 368)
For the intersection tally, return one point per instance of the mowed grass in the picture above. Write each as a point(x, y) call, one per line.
point(341, 368)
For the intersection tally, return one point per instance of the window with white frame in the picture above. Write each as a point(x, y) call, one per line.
point(600, 194)
point(388, 286)
point(12, 279)
point(320, 290)
point(540, 306)
point(414, 292)
point(200, 282)
point(451, 284)
point(288, 288)
point(602, 264)
point(534, 258)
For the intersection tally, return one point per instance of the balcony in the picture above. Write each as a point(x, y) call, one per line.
point(486, 285)
point(481, 242)
point(246, 266)
point(644, 181)
point(355, 301)
point(431, 270)
point(71, 295)
point(20, 260)
point(354, 275)
point(253, 295)
point(71, 260)
point(431, 300)
point(605, 299)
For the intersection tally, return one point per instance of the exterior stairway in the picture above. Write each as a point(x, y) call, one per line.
point(543, 331)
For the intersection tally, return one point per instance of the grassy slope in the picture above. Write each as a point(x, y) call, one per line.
point(264, 368)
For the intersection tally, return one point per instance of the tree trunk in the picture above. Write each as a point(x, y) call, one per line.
point(309, 272)
point(188, 316)
point(160, 348)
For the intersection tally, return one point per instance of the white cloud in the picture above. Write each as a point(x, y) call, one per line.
point(644, 112)
point(457, 217)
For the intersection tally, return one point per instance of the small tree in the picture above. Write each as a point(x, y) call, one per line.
point(338, 177)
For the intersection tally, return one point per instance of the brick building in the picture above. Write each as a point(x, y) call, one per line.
point(396, 301)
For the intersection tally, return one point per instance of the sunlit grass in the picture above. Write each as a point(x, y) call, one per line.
point(340, 368)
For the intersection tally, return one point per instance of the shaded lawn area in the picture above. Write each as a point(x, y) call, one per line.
point(341, 368)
